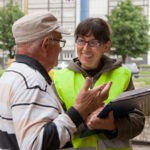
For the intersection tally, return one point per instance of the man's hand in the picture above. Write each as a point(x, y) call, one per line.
point(89, 100)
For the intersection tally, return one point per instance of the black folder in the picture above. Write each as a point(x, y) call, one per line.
point(121, 106)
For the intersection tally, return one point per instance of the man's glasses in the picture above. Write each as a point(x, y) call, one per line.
point(61, 42)
point(92, 43)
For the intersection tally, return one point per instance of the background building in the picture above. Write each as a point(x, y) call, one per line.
point(70, 12)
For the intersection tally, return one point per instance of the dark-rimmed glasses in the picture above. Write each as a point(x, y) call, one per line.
point(91, 43)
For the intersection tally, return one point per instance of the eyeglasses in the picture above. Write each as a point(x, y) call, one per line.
point(92, 43)
point(61, 42)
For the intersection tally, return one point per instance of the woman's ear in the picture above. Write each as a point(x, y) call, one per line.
point(107, 47)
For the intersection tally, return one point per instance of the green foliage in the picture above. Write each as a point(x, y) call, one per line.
point(8, 15)
point(130, 30)
point(1, 72)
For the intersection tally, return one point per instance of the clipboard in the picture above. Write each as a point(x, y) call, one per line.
point(125, 102)
point(121, 106)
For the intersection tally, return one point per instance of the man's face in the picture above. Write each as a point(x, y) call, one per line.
point(90, 51)
point(54, 48)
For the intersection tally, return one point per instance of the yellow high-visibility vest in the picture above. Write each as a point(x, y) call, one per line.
point(68, 84)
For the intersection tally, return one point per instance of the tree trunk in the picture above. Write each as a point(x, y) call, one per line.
point(124, 59)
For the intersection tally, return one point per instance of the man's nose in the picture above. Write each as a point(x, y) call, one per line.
point(59, 49)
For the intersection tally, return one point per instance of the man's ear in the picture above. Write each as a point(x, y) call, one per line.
point(44, 46)
point(45, 43)
point(107, 47)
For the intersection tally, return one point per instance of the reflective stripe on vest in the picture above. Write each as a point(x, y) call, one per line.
point(68, 84)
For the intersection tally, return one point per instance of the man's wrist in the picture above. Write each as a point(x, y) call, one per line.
point(75, 116)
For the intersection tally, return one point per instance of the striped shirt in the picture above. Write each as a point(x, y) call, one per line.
point(31, 116)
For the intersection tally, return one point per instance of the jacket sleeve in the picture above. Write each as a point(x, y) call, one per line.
point(130, 126)
point(54, 136)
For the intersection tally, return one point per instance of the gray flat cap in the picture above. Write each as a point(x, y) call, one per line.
point(33, 26)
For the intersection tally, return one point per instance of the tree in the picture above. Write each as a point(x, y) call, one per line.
point(129, 30)
point(8, 15)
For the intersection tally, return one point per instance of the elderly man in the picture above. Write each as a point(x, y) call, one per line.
point(31, 116)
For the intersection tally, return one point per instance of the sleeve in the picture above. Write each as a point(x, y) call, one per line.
point(39, 120)
point(55, 134)
point(130, 126)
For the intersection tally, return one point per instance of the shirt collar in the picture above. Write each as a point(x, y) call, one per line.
point(33, 64)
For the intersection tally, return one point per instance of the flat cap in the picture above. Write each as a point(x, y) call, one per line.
point(36, 25)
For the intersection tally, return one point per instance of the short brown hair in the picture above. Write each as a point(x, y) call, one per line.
point(96, 27)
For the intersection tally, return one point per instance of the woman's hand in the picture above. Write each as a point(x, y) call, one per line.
point(94, 122)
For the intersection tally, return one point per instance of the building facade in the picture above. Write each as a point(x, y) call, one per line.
point(70, 12)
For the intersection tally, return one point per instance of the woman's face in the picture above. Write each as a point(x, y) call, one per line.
point(90, 51)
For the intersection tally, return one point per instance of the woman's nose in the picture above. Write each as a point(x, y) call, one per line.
point(85, 47)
